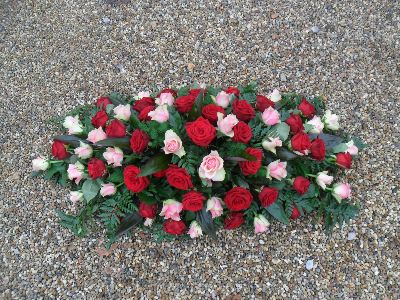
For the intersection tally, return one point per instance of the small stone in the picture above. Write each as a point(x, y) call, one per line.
point(261, 242)
point(315, 29)
point(310, 264)
point(276, 261)
point(351, 236)
point(274, 15)
point(106, 20)
point(120, 68)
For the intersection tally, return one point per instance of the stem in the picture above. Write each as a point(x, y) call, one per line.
point(118, 185)
point(311, 175)
point(56, 161)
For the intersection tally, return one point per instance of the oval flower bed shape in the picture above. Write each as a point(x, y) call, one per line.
point(187, 161)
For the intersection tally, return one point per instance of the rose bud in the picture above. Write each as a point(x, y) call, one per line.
point(268, 196)
point(233, 90)
point(195, 230)
point(242, 133)
point(323, 179)
point(306, 108)
point(139, 141)
point(263, 103)
point(75, 196)
point(331, 121)
point(107, 189)
point(317, 124)
point(222, 99)
point(226, 124)
point(201, 132)
point(214, 206)
point(260, 224)
point(84, 151)
point(148, 210)
point(40, 164)
point(251, 167)
point(344, 160)
point(171, 209)
point(351, 148)
point(295, 213)
point(277, 170)
point(301, 143)
point(174, 227)
point(103, 102)
point(295, 123)
point(210, 112)
point(165, 99)
point(243, 110)
point(318, 149)
point(144, 113)
point(143, 94)
point(96, 168)
point(116, 129)
point(270, 144)
point(301, 185)
point(122, 112)
point(100, 119)
point(275, 96)
point(132, 181)
point(173, 144)
point(184, 104)
point(212, 167)
point(75, 171)
point(73, 125)
point(341, 191)
point(168, 90)
point(96, 135)
point(114, 156)
point(142, 103)
point(58, 150)
point(160, 114)
point(233, 220)
point(270, 116)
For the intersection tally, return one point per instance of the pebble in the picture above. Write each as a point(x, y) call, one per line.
point(315, 29)
point(351, 236)
point(310, 264)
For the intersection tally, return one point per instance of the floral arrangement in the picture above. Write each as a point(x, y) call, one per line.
point(190, 160)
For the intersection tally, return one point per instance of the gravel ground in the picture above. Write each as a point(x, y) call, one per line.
point(58, 54)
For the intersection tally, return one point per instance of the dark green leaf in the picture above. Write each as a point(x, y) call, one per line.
point(195, 112)
point(205, 220)
point(247, 156)
point(90, 188)
point(277, 211)
point(183, 91)
point(116, 176)
point(285, 154)
point(330, 140)
point(122, 143)
point(117, 98)
point(128, 222)
point(155, 164)
point(147, 197)
point(71, 140)
point(239, 181)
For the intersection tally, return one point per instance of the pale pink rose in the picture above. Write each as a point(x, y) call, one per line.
point(73, 125)
point(270, 144)
point(195, 230)
point(75, 196)
point(40, 164)
point(331, 121)
point(148, 222)
point(107, 189)
point(171, 209)
point(214, 206)
point(222, 99)
point(173, 144)
point(96, 135)
point(317, 124)
point(225, 125)
point(212, 167)
point(275, 96)
point(165, 98)
point(323, 179)
point(270, 116)
point(260, 224)
point(341, 191)
point(114, 156)
point(277, 170)
point(75, 171)
point(351, 148)
point(160, 114)
point(122, 112)
point(143, 94)
point(84, 151)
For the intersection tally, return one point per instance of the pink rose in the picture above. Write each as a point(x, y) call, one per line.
point(75, 196)
point(277, 170)
point(75, 171)
point(165, 98)
point(271, 143)
point(160, 114)
point(212, 167)
point(96, 135)
point(260, 224)
point(84, 151)
point(214, 206)
point(317, 124)
point(122, 112)
point(323, 179)
point(225, 125)
point(107, 189)
point(351, 148)
point(114, 156)
point(40, 164)
point(222, 99)
point(171, 209)
point(275, 96)
point(270, 116)
point(73, 125)
point(143, 94)
point(173, 144)
point(341, 191)
point(195, 230)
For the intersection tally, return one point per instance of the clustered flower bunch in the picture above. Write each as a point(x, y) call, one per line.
point(192, 159)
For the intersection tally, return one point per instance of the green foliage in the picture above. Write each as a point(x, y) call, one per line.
point(122, 143)
point(117, 98)
point(155, 164)
point(205, 220)
point(57, 172)
point(183, 91)
point(90, 189)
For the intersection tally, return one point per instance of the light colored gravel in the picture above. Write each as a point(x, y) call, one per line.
point(55, 55)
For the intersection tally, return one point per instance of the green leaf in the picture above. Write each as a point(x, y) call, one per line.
point(197, 106)
point(205, 220)
point(311, 192)
point(247, 156)
point(147, 197)
point(285, 154)
point(330, 140)
point(122, 143)
point(183, 91)
point(116, 176)
point(117, 98)
point(71, 140)
point(155, 164)
point(128, 223)
point(277, 211)
point(109, 108)
point(342, 147)
point(358, 143)
point(239, 181)
point(90, 188)
point(280, 130)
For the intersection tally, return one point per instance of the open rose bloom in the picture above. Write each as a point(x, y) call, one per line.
point(193, 159)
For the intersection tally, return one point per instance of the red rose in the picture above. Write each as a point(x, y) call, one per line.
point(318, 149)
point(100, 119)
point(103, 102)
point(268, 195)
point(243, 110)
point(295, 213)
point(201, 132)
point(263, 103)
point(194, 92)
point(242, 133)
point(147, 210)
point(160, 174)
point(141, 104)
point(139, 141)
point(233, 220)
point(96, 168)
point(210, 112)
point(132, 182)
point(168, 90)
point(295, 123)
point(179, 178)
point(301, 185)
point(233, 90)
point(58, 150)
point(184, 104)
point(251, 167)
point(116, 129)
point(193, 201)
point(300, 142)
point(306, 108)
point(144, 113)
point(238, 198)
point(344, 160)
point(174, 227)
